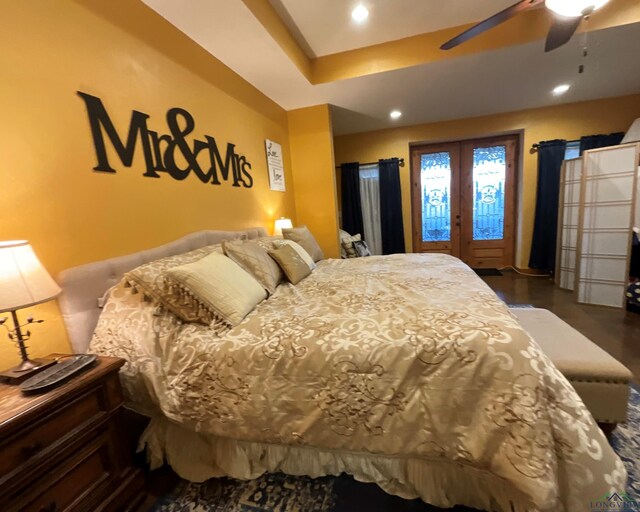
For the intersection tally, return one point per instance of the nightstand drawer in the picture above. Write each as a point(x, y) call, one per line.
point(66, 449)
point(70, 485)
point(53, 428)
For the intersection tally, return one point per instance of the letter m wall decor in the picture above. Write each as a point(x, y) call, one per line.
point(162, 152)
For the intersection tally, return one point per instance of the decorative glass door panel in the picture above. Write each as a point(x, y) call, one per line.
point(489, 170)
point(435, 183)
point(463, 200)
point(435, 204)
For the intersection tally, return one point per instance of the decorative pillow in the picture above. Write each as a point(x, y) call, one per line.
point(266, 242)
point(253, 258)
point(303, 236)
point(361, 248)
point(343, 234)
point(298, 248)
point(347, 243)
point(218, 286)
point(295, 268)
point(150, 279)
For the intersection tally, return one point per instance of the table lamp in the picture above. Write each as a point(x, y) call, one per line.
point(280, 224)
point(24, 282)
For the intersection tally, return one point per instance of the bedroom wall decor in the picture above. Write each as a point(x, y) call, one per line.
point(275, 165)
point(163, 152)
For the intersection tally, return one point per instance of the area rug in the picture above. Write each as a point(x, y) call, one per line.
point(487, 272)
point(282, 493)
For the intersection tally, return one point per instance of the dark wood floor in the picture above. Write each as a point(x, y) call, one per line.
point(616, 331)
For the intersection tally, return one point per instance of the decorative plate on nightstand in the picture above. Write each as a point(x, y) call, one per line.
point(57, 374)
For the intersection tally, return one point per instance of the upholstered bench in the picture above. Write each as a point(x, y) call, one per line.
point(601, 381)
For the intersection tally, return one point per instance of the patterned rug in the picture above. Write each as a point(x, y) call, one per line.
point(282, 493)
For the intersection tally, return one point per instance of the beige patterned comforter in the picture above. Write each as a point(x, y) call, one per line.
point(405, 356)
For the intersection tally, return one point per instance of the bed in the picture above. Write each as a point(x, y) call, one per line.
point(403, 370)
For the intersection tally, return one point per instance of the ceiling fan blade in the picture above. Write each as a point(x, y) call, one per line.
point(491, 22)
point(561, 31)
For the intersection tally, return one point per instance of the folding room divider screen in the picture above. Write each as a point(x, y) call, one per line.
point(569, 209)
point(608, 193)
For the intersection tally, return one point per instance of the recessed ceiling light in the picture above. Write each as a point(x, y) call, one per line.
point(360, 13)
point(395, 114)
point(560, 89)
point(574, 8)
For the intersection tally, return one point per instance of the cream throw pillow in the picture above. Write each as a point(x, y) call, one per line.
point(298, 248)
point(253, 258)
point(219, 285)
point(295, 268)
point(343, 234)
point(347, 244)
point(303, 236)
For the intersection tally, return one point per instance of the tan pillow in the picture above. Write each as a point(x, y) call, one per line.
point(298, 248)
point(347, 244)
point(303, 236)
point(253, 258)
point(295, 268)
point(218, 285)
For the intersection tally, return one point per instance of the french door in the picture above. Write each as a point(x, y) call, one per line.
point(463, 200)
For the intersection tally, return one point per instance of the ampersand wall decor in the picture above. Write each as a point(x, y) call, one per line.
point(162, 153)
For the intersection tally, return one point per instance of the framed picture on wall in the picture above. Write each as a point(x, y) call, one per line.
point(275, 165)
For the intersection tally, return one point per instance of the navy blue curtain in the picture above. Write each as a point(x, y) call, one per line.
point(600, 141)
point(545, 228)
point(351, 202)
point(391, 225)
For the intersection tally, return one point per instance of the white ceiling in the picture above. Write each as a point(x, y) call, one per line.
point(509, 79)
point(327, 27)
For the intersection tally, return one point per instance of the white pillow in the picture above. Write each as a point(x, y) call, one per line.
point(306, 257)
point(220, 285)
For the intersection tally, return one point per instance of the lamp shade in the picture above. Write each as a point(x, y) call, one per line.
point(282, 223)
point(23, 280)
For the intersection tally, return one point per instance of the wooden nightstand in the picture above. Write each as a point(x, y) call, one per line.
point(67, 449)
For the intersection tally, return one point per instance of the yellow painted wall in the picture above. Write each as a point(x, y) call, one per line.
point(569, 121)
point(124, 53)
point(314, 177)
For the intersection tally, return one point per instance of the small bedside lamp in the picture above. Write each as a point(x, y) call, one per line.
point(280, 224)
point(24, 282)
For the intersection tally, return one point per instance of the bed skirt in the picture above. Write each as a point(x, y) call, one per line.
point(197, 457)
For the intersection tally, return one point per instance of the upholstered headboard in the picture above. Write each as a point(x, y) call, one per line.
point(83, 287)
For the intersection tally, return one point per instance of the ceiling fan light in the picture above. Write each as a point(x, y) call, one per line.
point(574, 8)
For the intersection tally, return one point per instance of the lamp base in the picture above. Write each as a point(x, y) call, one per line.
point(26, 369)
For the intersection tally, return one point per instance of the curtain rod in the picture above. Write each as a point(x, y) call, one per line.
point(534, 147)
point(400, 163)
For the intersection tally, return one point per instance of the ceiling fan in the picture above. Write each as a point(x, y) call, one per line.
point(568, 15)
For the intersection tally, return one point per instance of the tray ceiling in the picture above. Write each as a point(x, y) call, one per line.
point(509, 72)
